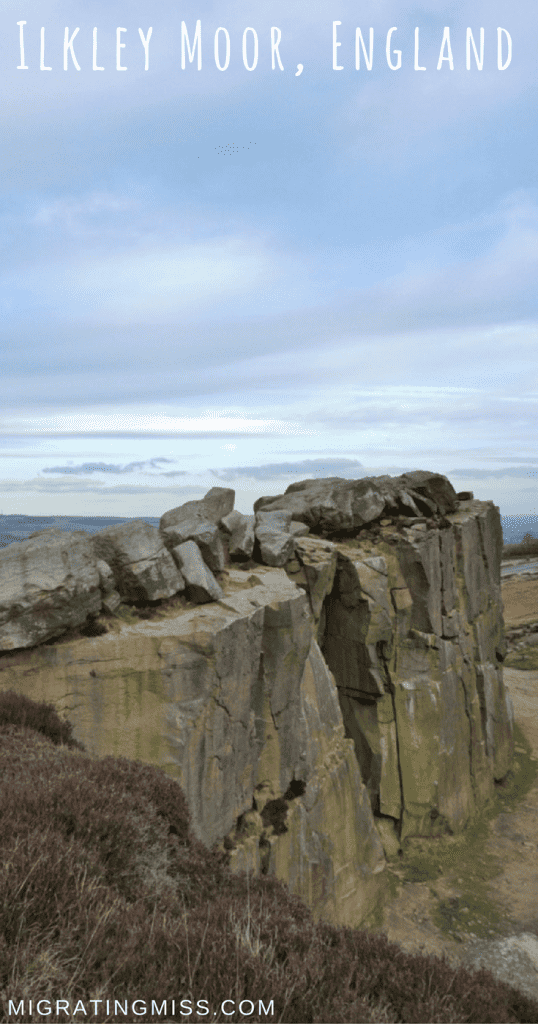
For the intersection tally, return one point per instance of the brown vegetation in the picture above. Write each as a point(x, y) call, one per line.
point(106, 893)
point(527, 548)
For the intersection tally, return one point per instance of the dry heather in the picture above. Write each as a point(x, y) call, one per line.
point(106, 894)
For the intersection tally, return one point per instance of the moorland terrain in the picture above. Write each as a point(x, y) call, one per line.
point(106, 894)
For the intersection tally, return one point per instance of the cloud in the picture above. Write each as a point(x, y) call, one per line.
point(107, 467)
point(509, 472)
point(143, 424)
point(68, 485)
point(311, 467)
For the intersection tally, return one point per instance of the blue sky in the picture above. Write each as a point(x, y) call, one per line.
point(256, 276)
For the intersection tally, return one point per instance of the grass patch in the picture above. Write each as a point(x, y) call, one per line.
point(520, 779)
point(525, 659)
point(465, 861)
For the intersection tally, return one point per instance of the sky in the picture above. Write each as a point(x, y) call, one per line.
point(285, 266)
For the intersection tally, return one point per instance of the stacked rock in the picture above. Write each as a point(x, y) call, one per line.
point(56, 580)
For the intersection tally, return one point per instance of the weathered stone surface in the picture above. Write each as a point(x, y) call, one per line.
point(272, 533)
point(106, 577)
point(111, 602)
point(315, 570)
point(413, 631)
point(299, 529)
point(200, 583)
point(143, 569)
point(111, 598)
point(336, 506)
point(231, 521)
point(48, 584)
point(205, 535)
point(235, 701)
point(241, 540)
point(214, 506)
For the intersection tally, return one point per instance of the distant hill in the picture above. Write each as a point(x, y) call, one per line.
point(515, 527)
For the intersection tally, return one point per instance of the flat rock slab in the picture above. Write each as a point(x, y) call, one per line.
point(513, 960)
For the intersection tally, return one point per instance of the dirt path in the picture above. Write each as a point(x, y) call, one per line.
point(474, 897)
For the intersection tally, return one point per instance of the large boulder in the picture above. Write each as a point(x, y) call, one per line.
point(276, 544)
point(338, 506)
point(143, 569)
point(201, 584)
point(240, 531)
point(48, 584)
point(198, 521)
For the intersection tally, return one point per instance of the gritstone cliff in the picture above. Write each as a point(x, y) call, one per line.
point(323, 678)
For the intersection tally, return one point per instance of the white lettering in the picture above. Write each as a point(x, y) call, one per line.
point(275, 43)
point(368, 57)
point(336, 44)
point(155, 1008)
point(95, 67)
point(22, 66)
point(417, 68)
point(145, 44)
point(500, 33)
point(42, 66)
point(197, 41)
point(119, 46)
point(68, 47)
point(445, 45)
point(241, 1005)
point(222, 67)
point(393, 67)
point(470, 40)
point(255, 61)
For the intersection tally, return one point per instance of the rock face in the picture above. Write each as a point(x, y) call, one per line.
point(335, 506)
point(412, 630)
point(142, 567)
point(315, 714)
point(48, 584)
point(235, 700)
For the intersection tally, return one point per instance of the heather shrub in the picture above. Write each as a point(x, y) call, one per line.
point(105, 892)
point(16, 709)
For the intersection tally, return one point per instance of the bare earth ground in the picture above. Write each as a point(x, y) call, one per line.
point(474, 897)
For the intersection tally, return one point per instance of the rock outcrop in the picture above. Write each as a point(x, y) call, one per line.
point(316, 712)
point(336, 506)
point(412, 630)
point(142, 568)
point(48, 584)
